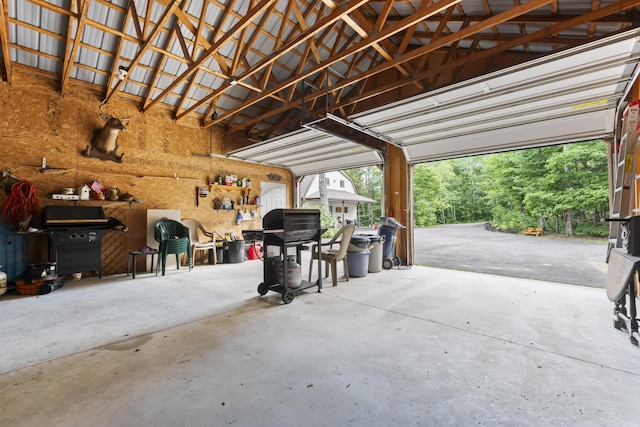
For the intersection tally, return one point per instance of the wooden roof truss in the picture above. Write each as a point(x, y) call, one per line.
point(250, 61)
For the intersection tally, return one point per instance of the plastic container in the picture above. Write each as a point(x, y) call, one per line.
point(358, 263)
point(359, 243)
point(235, 252)
point(254, 251)
point(375, 254)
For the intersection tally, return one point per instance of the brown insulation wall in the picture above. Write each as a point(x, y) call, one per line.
point(158, 166)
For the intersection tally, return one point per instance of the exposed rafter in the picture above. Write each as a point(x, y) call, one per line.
point(248, 58)
point(462, 34)
point(73, 41)
point(168, 14)
point(4, 38)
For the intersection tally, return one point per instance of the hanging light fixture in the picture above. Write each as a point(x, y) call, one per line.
point(122, 72)
point(214, 115)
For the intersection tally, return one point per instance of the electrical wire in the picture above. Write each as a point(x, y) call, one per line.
point(21, 204)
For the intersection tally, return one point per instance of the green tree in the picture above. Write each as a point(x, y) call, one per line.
point(469, 189)
point(433, 198)
point(526, 187)
point(368, 182)
point(504, 191)
point(576, 177)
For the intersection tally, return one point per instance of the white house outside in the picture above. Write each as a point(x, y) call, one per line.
point(341, 192)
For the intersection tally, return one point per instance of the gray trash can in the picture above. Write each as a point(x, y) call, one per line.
point(235, 252)
point(358, 255)
point(375, 254)
point(359, 243)
point(358, 263)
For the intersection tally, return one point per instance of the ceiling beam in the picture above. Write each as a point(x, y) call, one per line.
point(239, 26)
point(4, 37)
point(465, 33)
point(72, 42)
point(538, 18)
point(168, 13)
point(387, 32)
point(289, 46)
point(345, 53)
point(300, 44)
point(492, 52)
point(116, 59)
point(364, 27)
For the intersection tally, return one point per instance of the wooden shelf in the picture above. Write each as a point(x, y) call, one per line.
point(239, 207)
point(218, 187)
point(103, 203)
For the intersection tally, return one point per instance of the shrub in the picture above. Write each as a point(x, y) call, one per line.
point(588, 229)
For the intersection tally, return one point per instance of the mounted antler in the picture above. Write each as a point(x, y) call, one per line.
point(104, 143)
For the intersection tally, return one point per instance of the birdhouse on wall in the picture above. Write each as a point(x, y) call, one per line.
point(83, 192)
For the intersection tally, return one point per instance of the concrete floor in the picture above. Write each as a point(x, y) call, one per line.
point(419, 346)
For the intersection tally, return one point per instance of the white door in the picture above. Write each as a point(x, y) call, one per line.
point(272, 196)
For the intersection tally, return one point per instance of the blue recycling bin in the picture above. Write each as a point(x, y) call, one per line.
point(388, 229)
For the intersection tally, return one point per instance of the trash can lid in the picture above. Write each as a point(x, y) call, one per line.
point(388, 221)
point(376, 238)
point(360, 238)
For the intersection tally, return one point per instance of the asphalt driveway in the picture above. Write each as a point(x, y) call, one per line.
point(470, 247)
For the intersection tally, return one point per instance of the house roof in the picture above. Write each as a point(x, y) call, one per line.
point(340, 196)
point(305, 184)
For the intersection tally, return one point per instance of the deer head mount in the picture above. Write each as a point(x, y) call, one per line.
point(104, 144)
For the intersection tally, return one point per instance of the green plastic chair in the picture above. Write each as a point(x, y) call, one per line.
point(173, 238)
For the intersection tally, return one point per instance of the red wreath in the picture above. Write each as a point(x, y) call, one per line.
point(21, 204)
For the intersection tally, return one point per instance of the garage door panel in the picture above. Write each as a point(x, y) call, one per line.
point(489, 122)
point(567, 96)
point(560, 130)
point(366, 158)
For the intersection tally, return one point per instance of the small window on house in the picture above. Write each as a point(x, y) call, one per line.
point(330, 208)
point(346, 209)
point(342, 183)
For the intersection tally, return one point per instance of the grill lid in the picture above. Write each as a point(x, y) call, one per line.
point(293, 225)
point(69, 216)
point(291, 219)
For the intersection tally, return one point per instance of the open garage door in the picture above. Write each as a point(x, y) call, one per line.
point(564, 97)
point(309, 151)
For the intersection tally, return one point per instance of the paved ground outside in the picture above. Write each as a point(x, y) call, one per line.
point(471, 247)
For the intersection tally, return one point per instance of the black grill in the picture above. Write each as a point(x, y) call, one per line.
point(292, 225)
point(285, 229)
point(75, 235)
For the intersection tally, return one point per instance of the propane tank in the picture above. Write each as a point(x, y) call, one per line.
point(294, 275)
point(3, 282)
